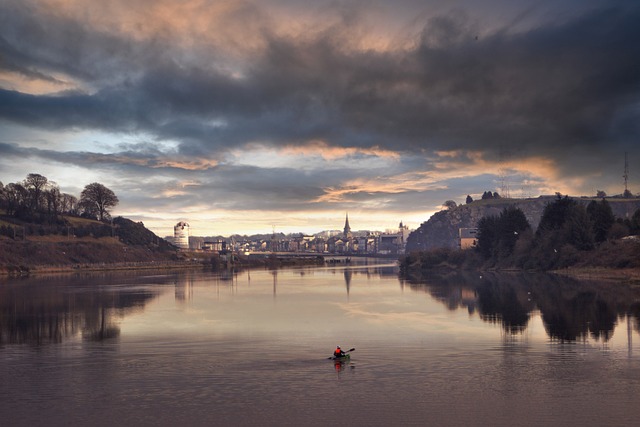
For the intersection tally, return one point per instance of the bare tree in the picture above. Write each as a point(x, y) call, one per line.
point(15, 198)
point(35, 184)
point(54, 201)
point(69, 204)
point(96, 199)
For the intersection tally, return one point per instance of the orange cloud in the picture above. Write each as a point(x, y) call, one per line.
point(544, 173)
point(189, 22)
point(155, 163)
point(179, 189)
point(450, 164)
point(233, 26)
point(37, 85)
point(198, 164)
point(412, 181)
point(328, 152)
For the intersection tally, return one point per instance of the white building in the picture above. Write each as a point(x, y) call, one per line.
point(181, 235)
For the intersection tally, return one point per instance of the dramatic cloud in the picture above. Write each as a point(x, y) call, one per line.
point(286, 109)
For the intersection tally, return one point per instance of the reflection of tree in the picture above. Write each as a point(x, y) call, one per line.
point(43, 311)
point(102, 331)
point(573, 317)
point(504, 305)
point(455, 291)
point(36, 324)
point(634, 313)
point(570, 309)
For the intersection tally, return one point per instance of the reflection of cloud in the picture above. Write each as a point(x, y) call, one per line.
point(364, 311)
point(414, 320)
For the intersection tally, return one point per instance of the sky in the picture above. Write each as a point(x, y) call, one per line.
point(245, 117)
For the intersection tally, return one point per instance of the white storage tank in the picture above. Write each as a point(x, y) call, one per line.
point(181, 235)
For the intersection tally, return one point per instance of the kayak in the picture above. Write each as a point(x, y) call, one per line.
point(344, 358)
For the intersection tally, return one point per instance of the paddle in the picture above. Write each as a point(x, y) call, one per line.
point(348, 351)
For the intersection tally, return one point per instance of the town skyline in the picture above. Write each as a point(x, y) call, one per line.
point(329, 232)
point(241, 116)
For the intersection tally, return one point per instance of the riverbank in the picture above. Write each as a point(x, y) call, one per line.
point(12, 271)
point(615, 260)
point(15, 271)
point(628, 275)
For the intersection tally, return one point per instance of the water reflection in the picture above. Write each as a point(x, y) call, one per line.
point(50, 310)
point(202, 348)
point(274, 273)
point(183, 289)
point(348, 274)
point(341, 367)
point(43, 311)
point(570, 310)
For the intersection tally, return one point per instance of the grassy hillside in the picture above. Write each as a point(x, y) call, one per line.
point(78, 243)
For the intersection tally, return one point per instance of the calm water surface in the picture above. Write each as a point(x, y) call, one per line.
point(251, 348)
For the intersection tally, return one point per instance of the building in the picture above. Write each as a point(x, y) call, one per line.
point(367, 244)
point(468, 238)
point(181, 235)
point(390, 244)
point(393, 242)
point(215, 246)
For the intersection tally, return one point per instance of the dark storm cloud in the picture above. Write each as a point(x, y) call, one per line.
point(37, 42)
point(556, 83)
point(247, 187)
point(85, 159)
point(107, 110)
point(551, 85)
point(551, 89)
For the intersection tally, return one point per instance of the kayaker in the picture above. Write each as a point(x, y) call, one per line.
point(338, 353)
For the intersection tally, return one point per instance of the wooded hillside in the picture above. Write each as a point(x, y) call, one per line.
point(441, 230)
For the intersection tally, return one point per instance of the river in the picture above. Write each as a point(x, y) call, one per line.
point(251, 348)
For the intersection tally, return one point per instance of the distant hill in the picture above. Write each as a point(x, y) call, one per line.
point(441, 230)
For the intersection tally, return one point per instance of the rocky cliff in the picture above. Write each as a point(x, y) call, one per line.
point(441, 230)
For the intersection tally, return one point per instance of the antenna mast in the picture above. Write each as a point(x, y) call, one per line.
point(626, 174)
point(503, 159)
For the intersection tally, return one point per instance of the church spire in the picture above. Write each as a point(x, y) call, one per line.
point(347, 229)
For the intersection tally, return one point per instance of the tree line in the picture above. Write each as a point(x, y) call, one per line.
point(39, 200)
point(566, 228)
point(487, 195)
